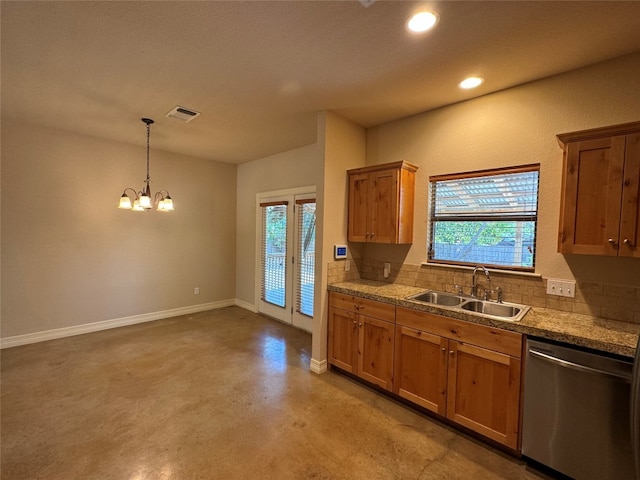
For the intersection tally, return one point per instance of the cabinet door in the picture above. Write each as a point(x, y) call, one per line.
point(590, 216)
point(375, 351)
point(383, 199)
point(630, 215)
point(359, 220)
point(483, 392)
point(421, 368)
point(343, 339)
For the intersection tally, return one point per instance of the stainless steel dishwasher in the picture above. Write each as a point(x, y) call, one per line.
point(576, 416)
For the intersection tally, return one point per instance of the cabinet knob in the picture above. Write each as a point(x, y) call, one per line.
point(360, 324)
point(451, 352)
point(612, 242)
point(444, 349)
point(628, 243)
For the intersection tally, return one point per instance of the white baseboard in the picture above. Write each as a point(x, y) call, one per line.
point(318, 366)
point(246, 305)
point(107, 324)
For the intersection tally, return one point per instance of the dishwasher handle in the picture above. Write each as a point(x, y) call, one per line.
point(577, 366)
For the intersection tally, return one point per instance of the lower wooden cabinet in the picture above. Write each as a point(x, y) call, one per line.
point(359, 343)
point(483, 392)
point(375, 351)
point(421, 368)
point(467, 373)
point(343, 339)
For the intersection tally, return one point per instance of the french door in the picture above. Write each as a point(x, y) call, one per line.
point(287, 257)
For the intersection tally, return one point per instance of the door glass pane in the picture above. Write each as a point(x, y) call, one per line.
point(274, 254)
point(306, 256)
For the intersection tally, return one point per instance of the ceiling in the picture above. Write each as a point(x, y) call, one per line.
point(260, 71)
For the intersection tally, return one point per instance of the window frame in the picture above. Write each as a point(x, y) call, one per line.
point(486, 217)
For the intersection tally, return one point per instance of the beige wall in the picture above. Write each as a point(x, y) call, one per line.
point(514, 127)
point(70, 257)
point(343, 146)
point(301, 167)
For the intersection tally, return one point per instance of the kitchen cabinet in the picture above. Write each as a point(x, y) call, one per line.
point(421, 368)
point(600, 212)
point(361, 338)
point(381, 199)
point(465, 372)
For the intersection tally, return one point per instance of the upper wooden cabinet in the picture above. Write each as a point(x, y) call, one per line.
point(381, 203)
point(600, 212)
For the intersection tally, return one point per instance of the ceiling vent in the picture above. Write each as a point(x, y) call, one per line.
point(182, 113)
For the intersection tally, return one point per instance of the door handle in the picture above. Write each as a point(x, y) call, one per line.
point(576, 366)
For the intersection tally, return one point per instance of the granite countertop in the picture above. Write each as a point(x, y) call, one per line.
point(600, 334)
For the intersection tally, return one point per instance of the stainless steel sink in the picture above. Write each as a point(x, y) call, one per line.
point(511, 312)
point(439, 298)
point(491, 308)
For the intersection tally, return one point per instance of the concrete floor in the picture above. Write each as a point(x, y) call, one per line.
point(216, 395)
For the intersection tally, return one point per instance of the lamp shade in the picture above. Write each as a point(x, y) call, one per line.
point(125, 202)
point(145, 201)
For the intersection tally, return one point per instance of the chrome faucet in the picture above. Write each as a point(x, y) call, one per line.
point(474, 286)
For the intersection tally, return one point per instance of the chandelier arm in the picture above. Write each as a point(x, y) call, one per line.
point(134, 192)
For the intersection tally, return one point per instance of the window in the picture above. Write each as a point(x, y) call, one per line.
point(485, 218)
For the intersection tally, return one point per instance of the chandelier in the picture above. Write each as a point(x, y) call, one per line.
point(143, 200)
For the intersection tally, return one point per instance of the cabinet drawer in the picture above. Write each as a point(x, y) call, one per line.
point(503, 341)
point(364, 306)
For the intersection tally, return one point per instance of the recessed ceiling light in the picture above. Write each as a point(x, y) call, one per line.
point(422, 21)
point(471, 82)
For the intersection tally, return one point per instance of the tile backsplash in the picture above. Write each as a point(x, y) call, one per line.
point(615, 302)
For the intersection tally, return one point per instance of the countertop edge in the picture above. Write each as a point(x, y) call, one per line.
point(619, 338)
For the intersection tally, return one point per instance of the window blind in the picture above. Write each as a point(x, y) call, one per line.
point(306, 219)
point(273, 252)
point(487, 217)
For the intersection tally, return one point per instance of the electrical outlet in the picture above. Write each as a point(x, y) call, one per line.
point(196, 291)
point(347, 265)
point(561, 288)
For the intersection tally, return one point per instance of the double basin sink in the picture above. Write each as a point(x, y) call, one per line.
point(510, 312)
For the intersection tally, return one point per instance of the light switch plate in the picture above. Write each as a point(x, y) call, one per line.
point(387, 270)
point(561, 288)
